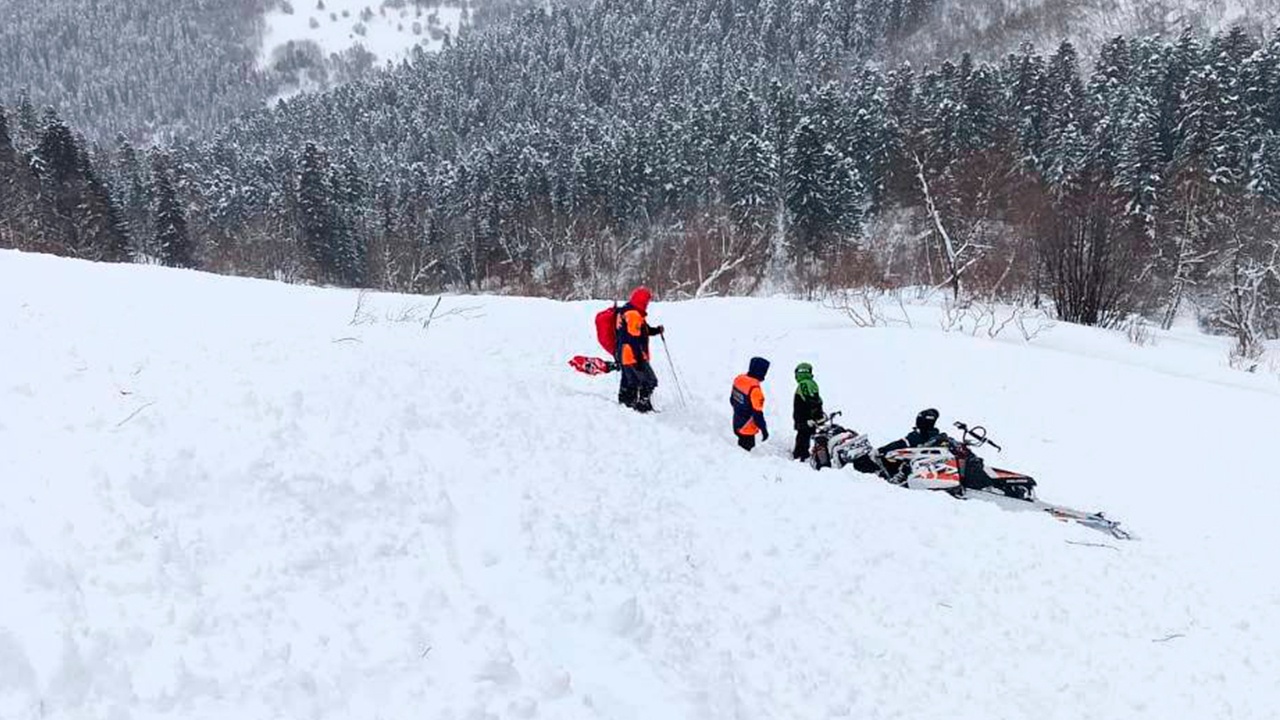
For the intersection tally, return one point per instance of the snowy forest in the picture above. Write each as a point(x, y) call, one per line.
point(716, 146)
point(165, 68)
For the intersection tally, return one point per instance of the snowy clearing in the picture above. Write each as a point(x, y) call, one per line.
point(232, 498)
point(387, 29)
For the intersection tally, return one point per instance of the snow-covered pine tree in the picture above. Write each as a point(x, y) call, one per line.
point(807, 197)
point(9, 171)
point(1066, 137)
point(1025, 86)
point(872, 140)
point(1138, 166)
point(1231, 121)
point(317, 213)
point(26, 132)
point(753, 166)
point(1108, 93)
point(1264, 179)
point(1271, 82)
point(131, 187)
point(7, 153)
point(350, 208)
point(171, 238)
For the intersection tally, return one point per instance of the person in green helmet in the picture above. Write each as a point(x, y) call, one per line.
point(807, 407)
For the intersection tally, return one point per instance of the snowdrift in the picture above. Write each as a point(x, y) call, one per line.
point(229, 498)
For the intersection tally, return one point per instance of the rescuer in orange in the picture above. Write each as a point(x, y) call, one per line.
point(747, 400)
point(632, 352)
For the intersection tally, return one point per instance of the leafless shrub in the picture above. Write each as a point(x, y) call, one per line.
point(1137, 330)
point(1245, 357)
point(1273, 363)
point(361, 316)
point(954, 314)
point(416, 313)
point(469, 312)
point(871, 307)
point(1031, 322)
point(981, 318)
point(860, 306)
point(407, 313)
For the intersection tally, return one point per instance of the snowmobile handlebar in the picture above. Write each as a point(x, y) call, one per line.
point(976, 436)
point(825, 421)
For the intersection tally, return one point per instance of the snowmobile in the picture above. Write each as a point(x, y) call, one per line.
point(835, 446)
point(951, 465)
point(948, 465)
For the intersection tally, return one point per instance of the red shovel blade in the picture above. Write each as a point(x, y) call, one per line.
point(590, 365)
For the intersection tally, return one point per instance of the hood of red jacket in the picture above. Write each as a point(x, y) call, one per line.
point(640, 298)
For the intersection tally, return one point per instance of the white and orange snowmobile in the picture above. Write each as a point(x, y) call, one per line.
point(835, 446)
point(949, 465)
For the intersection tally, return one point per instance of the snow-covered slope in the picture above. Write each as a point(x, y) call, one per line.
point(224, 498)
point(990, 28)
point(388, 29)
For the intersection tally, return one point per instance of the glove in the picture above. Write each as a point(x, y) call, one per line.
point(657, 330)
point(764, 434)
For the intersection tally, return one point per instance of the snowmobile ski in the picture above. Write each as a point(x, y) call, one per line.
point(1094, 520)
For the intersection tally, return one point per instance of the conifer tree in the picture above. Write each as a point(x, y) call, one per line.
point(316, 212)
point(1066, 141)
point(172, 239)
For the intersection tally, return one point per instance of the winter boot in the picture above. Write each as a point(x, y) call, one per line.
point(627, 396)
point(643, 403)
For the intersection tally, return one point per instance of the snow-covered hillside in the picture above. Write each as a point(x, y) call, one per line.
point(230, 498)
point(990, 28)
point(388, 30)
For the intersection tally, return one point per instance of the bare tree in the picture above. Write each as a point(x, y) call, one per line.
point(1248, 302)
point(958, 259)
point(1092, 258)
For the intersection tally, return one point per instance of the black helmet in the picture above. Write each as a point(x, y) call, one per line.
point(927, 420)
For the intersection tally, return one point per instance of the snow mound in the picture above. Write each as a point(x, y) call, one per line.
point(232, 498)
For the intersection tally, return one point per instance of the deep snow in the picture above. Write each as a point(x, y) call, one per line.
point(221, 498)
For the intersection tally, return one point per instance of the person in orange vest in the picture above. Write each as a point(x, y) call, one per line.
point(632, 352)
point(747, 400)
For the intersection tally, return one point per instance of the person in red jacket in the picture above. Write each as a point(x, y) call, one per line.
point(747, 400)
point(632, 352)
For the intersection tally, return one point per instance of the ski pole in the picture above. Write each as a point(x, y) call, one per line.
point(674, 375)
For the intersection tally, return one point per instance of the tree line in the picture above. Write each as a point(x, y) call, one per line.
point(719, 146)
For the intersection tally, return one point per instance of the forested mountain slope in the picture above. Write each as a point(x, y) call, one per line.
point(714, 146)
point(154, 68)
point(990, 28)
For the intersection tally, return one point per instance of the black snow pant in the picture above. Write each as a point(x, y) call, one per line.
point(635, 390)
point(804, 437)
point(746, 442)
